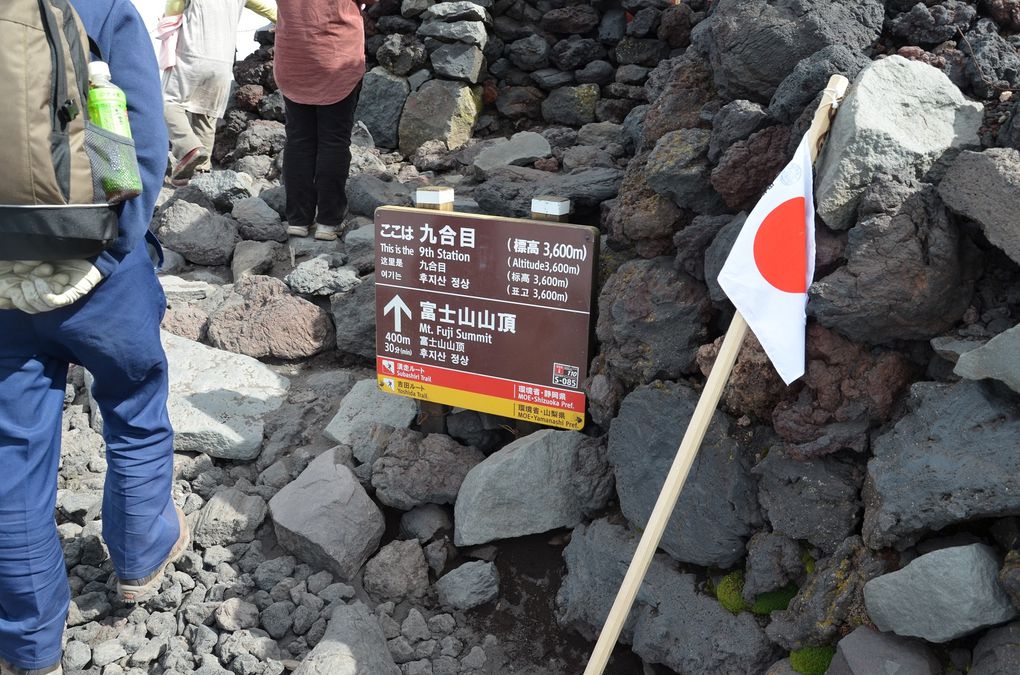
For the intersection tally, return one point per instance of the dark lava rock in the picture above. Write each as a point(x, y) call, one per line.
point(576, 52)
point(992, 64)
point(951, 459)
point(575, 19)
point(734, 122)
point(847, 390)
point(675, 25)
point(814, 500)
point(804, 84)
point(402, 54)
point(651, 321)
point(642, 51)
point(670, 618)
point(748, 167)
point(926, 25)
point(908, 273)
point(716, 512)
point(641, 217)
point(773, 561)
point(754, 44)
point(831, 600)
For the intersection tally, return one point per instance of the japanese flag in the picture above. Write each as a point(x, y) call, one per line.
point(770, 267)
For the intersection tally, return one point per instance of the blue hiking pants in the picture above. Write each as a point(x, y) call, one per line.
point(114, 333)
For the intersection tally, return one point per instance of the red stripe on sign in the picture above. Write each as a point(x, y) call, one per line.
point(553, 397)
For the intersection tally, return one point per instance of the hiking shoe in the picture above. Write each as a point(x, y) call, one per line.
point(297, 230)
point(325, 232)
point(185, 168)
point(133, 590)
point(8, 669)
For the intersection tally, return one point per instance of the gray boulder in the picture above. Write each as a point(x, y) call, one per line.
point(997, 360)
point(468, 32)
point(381, 104)
point(458, 10)
point(229, 517)
point(773, 561)
point(815, 500)
point(218, 400)
point(217, 189)
point(262, 137)
point(866, 651)
point(458, 62)
point(966, 187)
point(500, 498)
point(401, 54)
point(353, 644)
point(257, 221)
point(717, 511)
point(252, 257)
point(366, 404)
point(909, 272)
point(571, 106)
point(998, 651)
point(415, 469)
point(468, 586)
point(651, 321)
point(734, 122)
point(530, 53)
point(354, 318)
point(198, 234)
point(322, 276)
point(951, 459)
point(262, 318)
point(397, 572)
point(677, 168)
point(325, 518)
point(439, 110)
point(670, 618)
point(366, 193)
point(941, 595)
point(509, 191)
point(899, 118)
point(805, 82)
point(522, 148)
point(754, 44)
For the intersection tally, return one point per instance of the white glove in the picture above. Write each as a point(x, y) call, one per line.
point(34, 287)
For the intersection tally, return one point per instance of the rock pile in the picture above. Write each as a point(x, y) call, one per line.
point(863, 520)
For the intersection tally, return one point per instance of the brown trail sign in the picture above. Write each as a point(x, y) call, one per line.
point(484, 313)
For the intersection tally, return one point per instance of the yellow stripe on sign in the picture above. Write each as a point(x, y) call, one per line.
point(494, 405)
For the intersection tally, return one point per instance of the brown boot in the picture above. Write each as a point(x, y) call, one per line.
point(134, 590)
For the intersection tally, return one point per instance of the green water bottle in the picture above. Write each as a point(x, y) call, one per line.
point(107, 107)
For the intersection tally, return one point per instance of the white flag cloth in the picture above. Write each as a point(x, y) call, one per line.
point(772, 262)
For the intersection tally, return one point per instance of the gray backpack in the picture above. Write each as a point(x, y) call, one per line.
point(52, 202)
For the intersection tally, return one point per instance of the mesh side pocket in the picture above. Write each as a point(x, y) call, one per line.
point(115, 174)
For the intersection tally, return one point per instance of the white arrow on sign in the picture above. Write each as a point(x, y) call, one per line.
point(398, 307)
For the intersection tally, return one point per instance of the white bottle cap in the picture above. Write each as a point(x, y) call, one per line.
point(99, 70)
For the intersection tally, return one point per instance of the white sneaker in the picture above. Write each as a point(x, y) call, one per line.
point(325, 232)
point(297, 231)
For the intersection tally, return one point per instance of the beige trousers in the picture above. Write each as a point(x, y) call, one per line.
point(188, 131)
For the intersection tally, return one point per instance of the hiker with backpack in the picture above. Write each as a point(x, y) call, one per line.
point(77, 285)
point(197, 59)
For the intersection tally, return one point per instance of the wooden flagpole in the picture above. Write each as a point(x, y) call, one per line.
point(695, 433)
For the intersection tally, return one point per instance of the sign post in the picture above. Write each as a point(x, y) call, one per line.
point(485, 313)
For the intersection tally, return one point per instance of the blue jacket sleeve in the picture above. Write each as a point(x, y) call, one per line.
point(121, 35)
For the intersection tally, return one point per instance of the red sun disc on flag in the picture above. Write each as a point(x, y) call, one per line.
point(780, 247)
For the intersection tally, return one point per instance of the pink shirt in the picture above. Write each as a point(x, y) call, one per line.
point(320, 50)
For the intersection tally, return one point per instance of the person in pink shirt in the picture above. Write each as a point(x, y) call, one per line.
point(319, 64)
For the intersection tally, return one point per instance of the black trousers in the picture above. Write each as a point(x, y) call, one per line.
point(317, 159)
